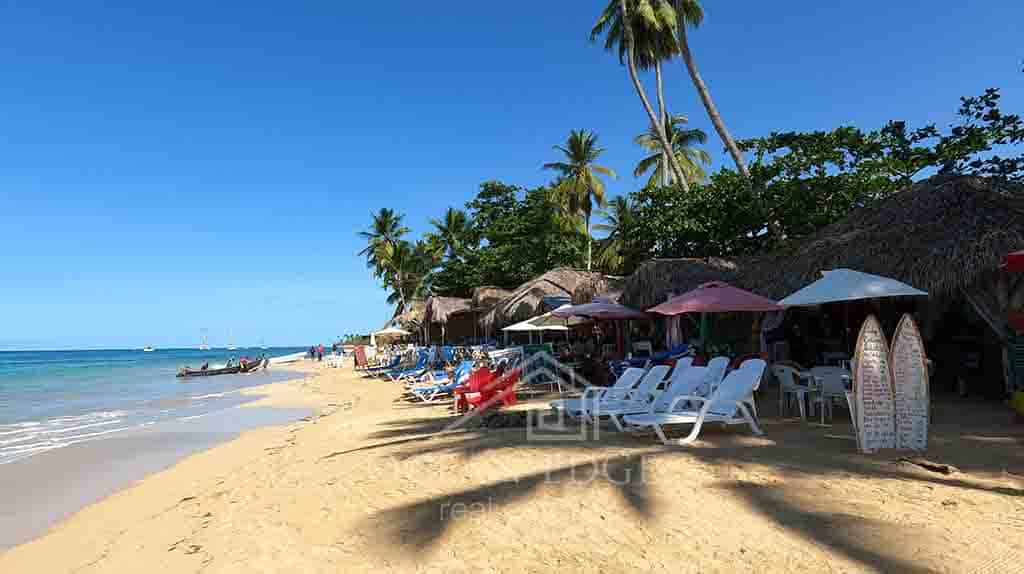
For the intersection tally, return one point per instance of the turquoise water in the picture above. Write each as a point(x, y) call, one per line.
point(53, 399)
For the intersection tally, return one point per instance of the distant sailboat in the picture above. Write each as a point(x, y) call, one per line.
point(204, 345)
point(231, 342)
point(148, 349)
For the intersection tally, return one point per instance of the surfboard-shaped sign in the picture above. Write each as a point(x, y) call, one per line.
point(910, 386)
point(872, 388)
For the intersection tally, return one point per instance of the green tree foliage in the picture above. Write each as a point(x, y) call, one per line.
point(808, 180)
point(516, 235)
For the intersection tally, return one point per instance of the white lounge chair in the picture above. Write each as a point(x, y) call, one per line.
point(638, 398)
point(577, 406)
point(688, 382)
point(729, 405)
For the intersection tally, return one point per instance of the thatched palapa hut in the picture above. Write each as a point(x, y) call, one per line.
point(527, 300)
point(658, 279)
point(604, 286)
point(450, 318)
point(412, 318)
point(945, 235)
point(486, 297)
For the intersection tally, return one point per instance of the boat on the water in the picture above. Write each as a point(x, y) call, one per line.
point(185, 372)
point(246, 367)
point(147, 349)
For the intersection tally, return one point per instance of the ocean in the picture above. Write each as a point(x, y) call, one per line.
point(50, 400)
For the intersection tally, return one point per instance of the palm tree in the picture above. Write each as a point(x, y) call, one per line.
point(408, 267)
point(683, 140)
point(578, 184)
point(644, 43)
point(619, 216)
point(453, 231)
point(382, 242)
point(690, 12)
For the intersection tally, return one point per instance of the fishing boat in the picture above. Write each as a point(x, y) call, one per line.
point(148, 349)
point(186, 372)
point(246, 367)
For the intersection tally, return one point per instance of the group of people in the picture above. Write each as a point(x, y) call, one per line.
point(316, 352)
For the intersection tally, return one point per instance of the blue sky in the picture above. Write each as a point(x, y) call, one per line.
point(170, 166)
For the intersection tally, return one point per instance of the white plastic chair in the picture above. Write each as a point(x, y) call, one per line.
point(792, 383)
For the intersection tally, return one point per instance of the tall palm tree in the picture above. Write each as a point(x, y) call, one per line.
point(578, 184)
point(619, 215)
point(382, 241)
point(647, 40)
point(683, 140)
point(453, 231)
point(690, 12)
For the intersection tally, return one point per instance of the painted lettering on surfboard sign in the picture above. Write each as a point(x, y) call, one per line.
point(872, 386)
point(910, 386)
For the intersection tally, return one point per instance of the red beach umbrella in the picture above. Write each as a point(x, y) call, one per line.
point(1014, 262)
point(715, 297)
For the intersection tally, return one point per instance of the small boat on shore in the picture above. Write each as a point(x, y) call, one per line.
point(284, 359)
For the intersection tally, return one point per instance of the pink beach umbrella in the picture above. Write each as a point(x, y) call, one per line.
point(715, 297)
point(601, 309)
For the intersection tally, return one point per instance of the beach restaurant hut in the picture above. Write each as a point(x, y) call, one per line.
point(410, 319)
point(658, 280)
point(484, 299)
point(947, 236)
point(536, 296)
point(450, 319)
point(606, 287)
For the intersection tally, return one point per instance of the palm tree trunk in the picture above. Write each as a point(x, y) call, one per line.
point(659, 128)
point(664, 121)
point(705, 96)
point(590, 242)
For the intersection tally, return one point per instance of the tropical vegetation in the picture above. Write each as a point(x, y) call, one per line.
point(779, 187)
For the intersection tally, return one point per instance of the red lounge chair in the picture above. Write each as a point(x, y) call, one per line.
point(361, 362)
point(486, 388)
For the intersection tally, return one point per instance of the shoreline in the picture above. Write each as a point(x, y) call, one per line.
point(371, 484)
point(54, 485)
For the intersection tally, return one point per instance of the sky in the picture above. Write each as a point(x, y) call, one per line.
point(168, 167)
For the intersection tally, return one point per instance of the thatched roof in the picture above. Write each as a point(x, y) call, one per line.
point(654, 280)
point(486, 297)
point(439, 309)
point(527, 300)
point(412, 317)
point(605, 286)
point(939, 235)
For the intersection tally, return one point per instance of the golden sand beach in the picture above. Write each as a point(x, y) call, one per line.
point(371, 485)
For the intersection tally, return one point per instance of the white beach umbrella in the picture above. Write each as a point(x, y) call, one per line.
point(392, 331)
point(848, 285)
